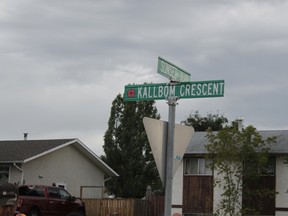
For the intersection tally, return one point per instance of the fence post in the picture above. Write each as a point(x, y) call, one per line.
point(149, 193)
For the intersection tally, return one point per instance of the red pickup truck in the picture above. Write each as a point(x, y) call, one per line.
point(40, 200)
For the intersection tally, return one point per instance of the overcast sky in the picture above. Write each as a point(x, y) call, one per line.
point(63, 62)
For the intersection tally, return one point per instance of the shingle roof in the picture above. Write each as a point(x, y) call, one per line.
point(20, 150)
point(199, 140)
point(281, 145)
point(197, 144)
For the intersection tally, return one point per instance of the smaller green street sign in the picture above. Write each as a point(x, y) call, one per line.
point(160, 91)
point(172, 72)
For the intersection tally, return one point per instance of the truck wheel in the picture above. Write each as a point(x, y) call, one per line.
point(34, 212)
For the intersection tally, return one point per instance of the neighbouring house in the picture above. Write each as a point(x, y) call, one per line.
point(193, 189)
point(66, 163)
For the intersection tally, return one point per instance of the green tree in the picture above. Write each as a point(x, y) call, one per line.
point(214, 121)
point(127, 149)
point(237, 156)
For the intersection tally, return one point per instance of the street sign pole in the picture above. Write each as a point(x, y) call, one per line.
point(180, 86)
point(172, 102)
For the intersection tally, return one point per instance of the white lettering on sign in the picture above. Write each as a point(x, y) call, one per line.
point(203, 89)
point(172, 72)
point(180, 90)
point(168, 69)
point(155, 92)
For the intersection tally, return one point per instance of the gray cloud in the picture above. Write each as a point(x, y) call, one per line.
point(63, 62)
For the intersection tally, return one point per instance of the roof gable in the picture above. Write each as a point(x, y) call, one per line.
point(22, 151)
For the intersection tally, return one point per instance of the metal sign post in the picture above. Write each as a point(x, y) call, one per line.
point(172, 102)
point(180, 86)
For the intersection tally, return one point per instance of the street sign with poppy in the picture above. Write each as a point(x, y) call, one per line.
point(162, 91)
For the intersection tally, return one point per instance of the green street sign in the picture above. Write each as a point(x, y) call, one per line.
point(160, 91)
point(172, 71)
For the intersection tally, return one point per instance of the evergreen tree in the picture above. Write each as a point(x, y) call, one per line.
point(127, 150)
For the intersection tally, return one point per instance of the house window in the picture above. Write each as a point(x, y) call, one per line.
point(269, 170)
point(197, 166)
point(4, 174)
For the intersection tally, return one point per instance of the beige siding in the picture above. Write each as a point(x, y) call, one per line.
point(15, 175)
point(281, 185)
point(66, 165)
point(177, 190)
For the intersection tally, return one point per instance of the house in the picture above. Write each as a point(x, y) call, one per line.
point(66, 163)
point(195, 194)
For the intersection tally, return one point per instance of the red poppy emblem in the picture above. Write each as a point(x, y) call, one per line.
point(131, 93)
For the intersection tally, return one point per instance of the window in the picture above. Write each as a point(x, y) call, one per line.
point(64, 194)
point(4, 174)
point(53, 193)
point(31, 191)
point(269, 170)
point(197, 166)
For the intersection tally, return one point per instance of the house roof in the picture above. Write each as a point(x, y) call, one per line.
point(199, 140)
point(22, 151)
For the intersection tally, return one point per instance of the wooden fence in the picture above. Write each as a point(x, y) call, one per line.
point(124, 207)
point(156, 205)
